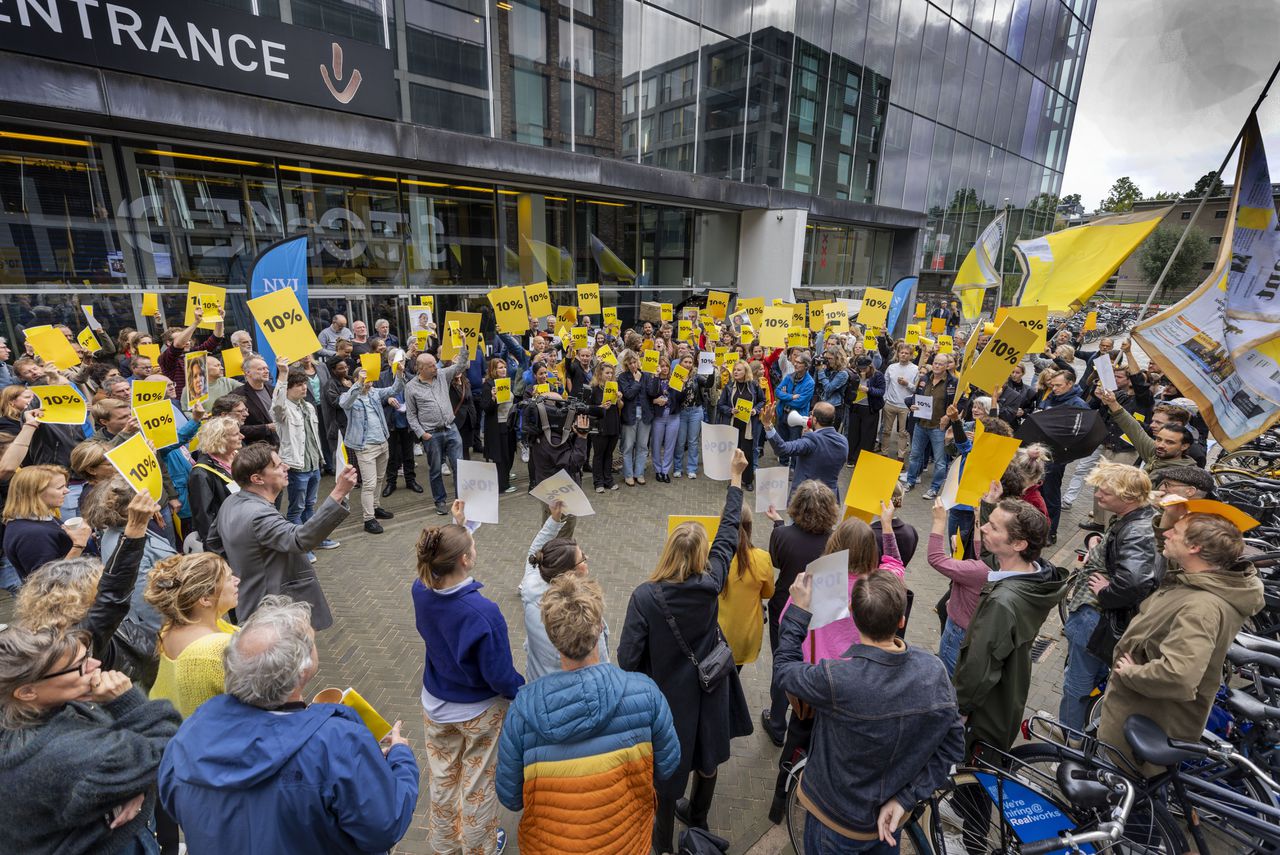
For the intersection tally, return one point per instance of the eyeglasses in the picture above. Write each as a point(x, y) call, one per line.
point(78, 667)
point(582, 560)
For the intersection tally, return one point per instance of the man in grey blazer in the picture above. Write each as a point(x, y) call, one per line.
point(267, 552)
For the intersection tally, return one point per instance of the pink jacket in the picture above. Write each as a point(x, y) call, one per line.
point(834, 640)
point(968, 576)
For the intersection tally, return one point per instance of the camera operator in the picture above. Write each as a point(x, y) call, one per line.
point(556, 431)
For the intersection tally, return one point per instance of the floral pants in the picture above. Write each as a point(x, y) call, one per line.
point(462, 760)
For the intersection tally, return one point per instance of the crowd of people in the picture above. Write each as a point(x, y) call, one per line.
point(153, 683)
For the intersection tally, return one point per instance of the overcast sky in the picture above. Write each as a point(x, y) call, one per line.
point(1166, 86)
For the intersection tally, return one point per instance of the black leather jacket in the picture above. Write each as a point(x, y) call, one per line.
point(121, 644)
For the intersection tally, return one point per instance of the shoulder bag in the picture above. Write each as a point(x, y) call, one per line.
point(715, 667)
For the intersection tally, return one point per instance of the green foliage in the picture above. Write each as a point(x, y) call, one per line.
point(1204, 182)
point(1187, 267)
point(1122, 196)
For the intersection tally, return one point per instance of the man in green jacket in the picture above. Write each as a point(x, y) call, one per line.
point(1168, 663)
point(993, 673)
point(1168, 447)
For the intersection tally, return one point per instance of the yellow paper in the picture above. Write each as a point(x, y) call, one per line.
point(708, 523)
point(731, 358)
point(88, 340)
point(502, 389)
point(610, 315)
point(913, 334)
point(945, 344)
point(718, 304)
point(135, 460)
point(233, 362)
point(875, 307)
point(649, 362)
point(988, 329)
point(610, 395)
point(371, 365)
point(957, 547)
point(1034, 318)
point(869, 343)
point(937, 325)
point(748, 335)
point(148, 391)
point(1001, 313)
point(987, 461)
point(377, 725)
point(774, 326)
point(509, 309)
point(542, 388)
point(754, 307)
point(872, 483)
point(468, 325)
point(280, 317)
point(797, 337)
point(589, 299)
point(667, 312)
point(684, 331)
point(606, 355)
point(420, 338)
point(150, 304)
point(1003, 351)
point(567, 315)
point(151, 351)
point(836, 316)
point(62, 405)
point(579, 337)
point(52, 346)
point(211, 297)
point(678, 377)
point(1090, 321)
point(538, 299)
point(157, 423)
point(742, 409)
point(921, 308)
point(197, 376)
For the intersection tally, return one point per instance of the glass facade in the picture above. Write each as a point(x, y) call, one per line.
point(101, 218)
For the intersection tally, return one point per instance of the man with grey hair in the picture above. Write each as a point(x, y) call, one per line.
point(382, 329)
point(260, 770)
point(330, 335)
point(244, 341)
point(430, 415)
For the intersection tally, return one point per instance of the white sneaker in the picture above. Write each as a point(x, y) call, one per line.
point(677, 474)
point(445, 470)
point(903, 477)
point(693, 476)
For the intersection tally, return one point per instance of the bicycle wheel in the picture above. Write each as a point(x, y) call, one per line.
point(1225, 833)
point(1150, 827)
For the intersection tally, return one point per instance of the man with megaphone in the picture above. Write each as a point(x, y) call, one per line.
point(818, 454)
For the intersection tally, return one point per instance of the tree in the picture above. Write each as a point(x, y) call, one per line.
point(1044, 202)
point(1203, 183)
point(1165, 196)
point(1186, 271)
point(1071, 206)
point(1122, 196)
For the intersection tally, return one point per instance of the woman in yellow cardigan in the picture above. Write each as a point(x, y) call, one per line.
point(192, 593)
point(750, 581)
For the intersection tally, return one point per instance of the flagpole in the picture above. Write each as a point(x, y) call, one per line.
point(1168, 265)
point(1003, 236)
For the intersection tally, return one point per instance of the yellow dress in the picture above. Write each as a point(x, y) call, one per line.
point(196, 675)
point(741, 615)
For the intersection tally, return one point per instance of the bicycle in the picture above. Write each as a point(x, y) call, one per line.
point(914, 841)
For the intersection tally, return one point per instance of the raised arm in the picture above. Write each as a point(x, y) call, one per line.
point(726, 539)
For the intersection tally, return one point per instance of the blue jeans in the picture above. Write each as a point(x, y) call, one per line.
point(635, 449)
point(949, 646)
point(921, 441)
point(303, 489)
point(665, 431)
point(1084, 670)
point(9, 579)
point(444, 445)
point(689, 440)
point(820, 840)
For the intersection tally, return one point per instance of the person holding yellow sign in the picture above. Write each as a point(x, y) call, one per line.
point(298, 426)
point(638, 390)
point(743, 395)
point(609, 428)
point(497, 404)
point(367, 434)
point(177, 342)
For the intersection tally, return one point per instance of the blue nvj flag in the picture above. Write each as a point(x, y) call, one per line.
point(904, 295)
point(281, 265)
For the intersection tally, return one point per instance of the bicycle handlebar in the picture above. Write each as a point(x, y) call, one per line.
point(1107, 832)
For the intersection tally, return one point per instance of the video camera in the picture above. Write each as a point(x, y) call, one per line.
point(560, 417)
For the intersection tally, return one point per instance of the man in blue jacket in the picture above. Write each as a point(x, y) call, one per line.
point(819, 454)
point(258, 770)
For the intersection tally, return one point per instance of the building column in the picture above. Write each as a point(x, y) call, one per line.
point(770, 252)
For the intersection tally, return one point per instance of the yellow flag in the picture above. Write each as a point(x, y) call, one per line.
point(62, 405)
point(1090, 321)
point(282, 321)
point(135, 460)
point(157, 423)
point(1062, 270)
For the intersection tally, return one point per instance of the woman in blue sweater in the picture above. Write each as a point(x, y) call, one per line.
point(467, 683)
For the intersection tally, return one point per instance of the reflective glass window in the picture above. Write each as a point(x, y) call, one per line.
point(530, 102)
point(450, 236)
point(577, 48)
point(893, 166)
point(527, 32)
point(723, 94)
point(906, 56)
point(364, 20)
point(452, 111)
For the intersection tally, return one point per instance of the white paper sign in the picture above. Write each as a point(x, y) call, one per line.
point(562, 487)
point(718, 444)
point(478, 487)
point(830, 575)
point(924, 407)
point(92, 321)
point(340, 460)
point(1106, 372)
point(771, 487)
point(706, 362)
point(951, 487)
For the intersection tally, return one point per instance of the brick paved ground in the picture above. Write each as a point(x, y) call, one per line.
point(374, 646)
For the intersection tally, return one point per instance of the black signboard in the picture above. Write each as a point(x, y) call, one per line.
point(207, 45)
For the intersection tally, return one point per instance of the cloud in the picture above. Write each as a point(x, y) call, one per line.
point(1167, 85)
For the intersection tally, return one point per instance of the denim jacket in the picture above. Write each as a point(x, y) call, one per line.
point(357, 417)
point(886, 724)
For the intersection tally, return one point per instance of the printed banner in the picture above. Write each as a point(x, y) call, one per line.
point(282, 265)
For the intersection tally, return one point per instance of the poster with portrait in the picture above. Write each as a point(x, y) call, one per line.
point(197, 378)
point(420, 318)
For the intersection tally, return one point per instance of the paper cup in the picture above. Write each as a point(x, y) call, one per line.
point(73, 523)
point(328, 696)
